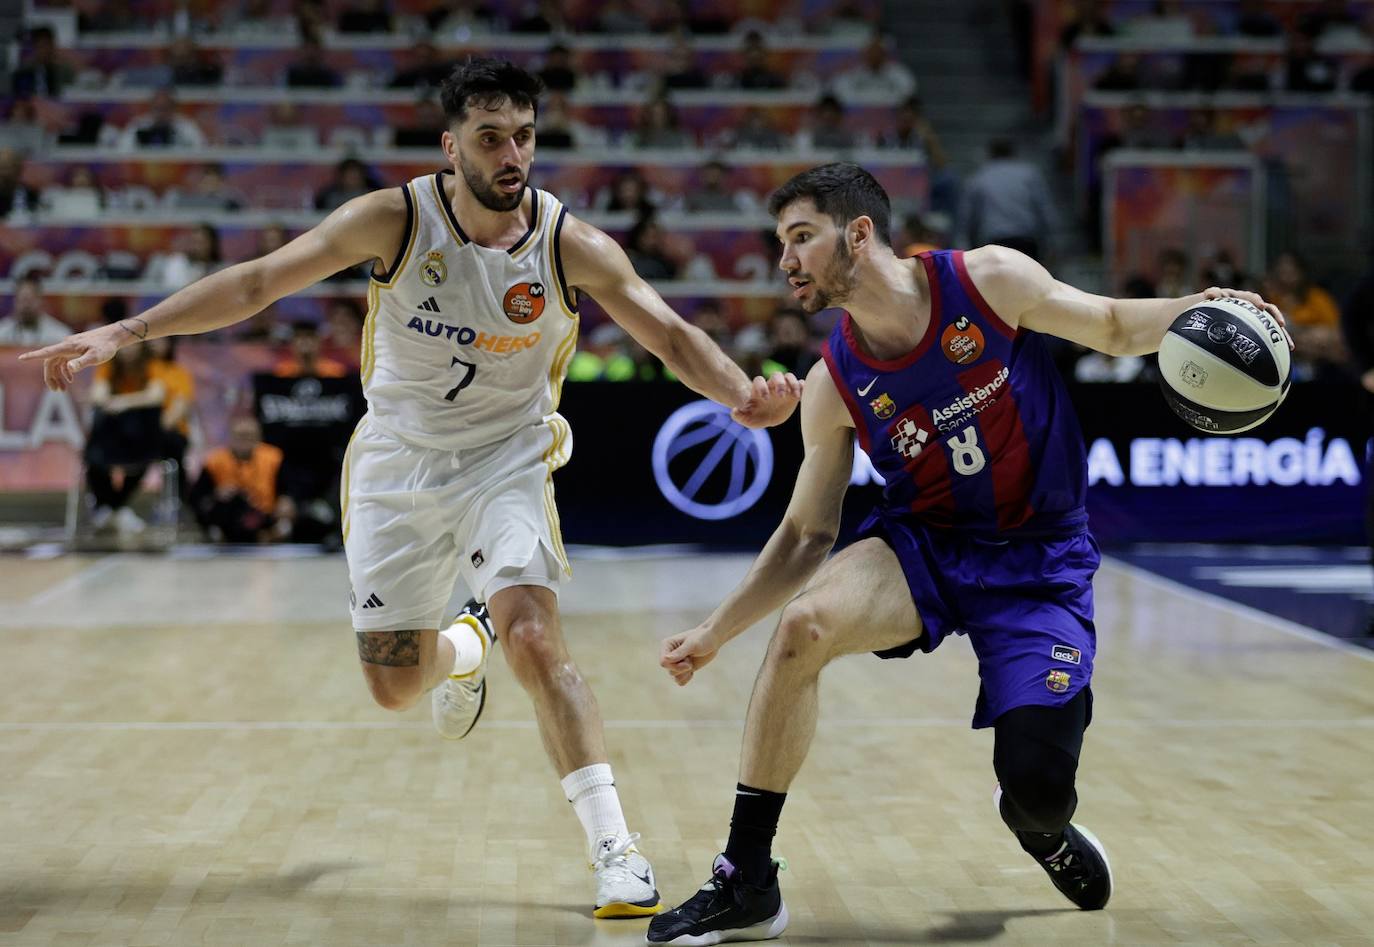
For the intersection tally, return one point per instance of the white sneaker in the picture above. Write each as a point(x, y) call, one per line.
point(624, 879)
point(101, 518)
point(127, 522)
point(458, 701)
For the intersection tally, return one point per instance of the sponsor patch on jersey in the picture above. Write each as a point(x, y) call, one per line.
point(1057, 681)
point(463, 335)
point(908, 439)
point(1062, 652)
point(433, 270)
point(883, 406)
point(524, 303)
point(478, 559)
point(962, 341)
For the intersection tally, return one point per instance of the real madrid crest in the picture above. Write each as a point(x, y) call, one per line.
point(433, 270)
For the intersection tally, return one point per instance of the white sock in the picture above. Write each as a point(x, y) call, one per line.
point(591, 790)
point(469, 646)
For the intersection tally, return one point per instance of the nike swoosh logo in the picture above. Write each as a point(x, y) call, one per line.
point(647, 878)
point(863, 392)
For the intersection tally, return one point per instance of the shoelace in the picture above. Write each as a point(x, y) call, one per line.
point(1072, 865)
point(614, 858)
point(458, 694)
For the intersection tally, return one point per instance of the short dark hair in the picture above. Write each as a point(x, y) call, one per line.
point(843, 191)
point(488, 84)
point(32, 279)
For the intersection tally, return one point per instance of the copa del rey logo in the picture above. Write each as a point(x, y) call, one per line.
point(909, 439)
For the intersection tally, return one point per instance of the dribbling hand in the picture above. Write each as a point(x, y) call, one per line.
point(685, 653)
point(771, 401)
point(62, 360)
point(1254, 299)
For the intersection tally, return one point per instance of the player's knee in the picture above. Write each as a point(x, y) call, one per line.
point(530, 646)
point(801, 634)
point(393, 688)
point(1038, 792)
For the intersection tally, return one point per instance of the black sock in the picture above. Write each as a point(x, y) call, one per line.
point(752, 828)
point(1039, 844)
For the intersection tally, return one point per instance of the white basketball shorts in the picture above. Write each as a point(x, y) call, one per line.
point(415, 520)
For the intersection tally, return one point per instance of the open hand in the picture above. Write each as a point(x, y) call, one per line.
point(684, 653)
point(770, 402)
point(1254, 299)
point(62, 360)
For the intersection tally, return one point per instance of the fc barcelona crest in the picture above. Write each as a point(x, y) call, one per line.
point(433, 271)
point(883, 406)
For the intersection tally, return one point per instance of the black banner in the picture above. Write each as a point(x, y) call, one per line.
point(652, 463)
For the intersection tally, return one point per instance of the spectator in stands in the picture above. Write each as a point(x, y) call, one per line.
point(645, 247)
point(183, 267)
point(756, 72)
point(710, 318)
point(22, 130)
point(1123, 74)
point(257, 18)
point(920, 236)
point(618, 18)
point(630, 191)
point(789, 339)
point(104, 17)
point(541, 16)
point(848, 18)
point(680, 70)
point(1254, 19)
point(558, 72)
point(342, 332)
point(1138, 131)
point(272, 237)
point(825, 129)
point(756, 131)
point(285, 129)
point(1167, 22)
point(351, 179)
point(365, 16)
point(427, 69)
point(81, 198)
point(712, 192)
point(1007, 202)
point(1221, 270)
point(1088, 19)
point(191, 66)
point(1329, 15)
point(210, 193)
point(659, 127)
point(161, 127)
point(1314, 320)
point(41, 73)
point(126, 435)
point(179, 395)
point(459, 19)
point(428, 124)
point(1173, 280)
point(305, 359)
point(310, 70)
point(28, 325)
point(14, 193)
point(1204, 133)
point(878, 77)
point(914, 132)
point(1307, 70)
point(236, 495)
point(557, 127)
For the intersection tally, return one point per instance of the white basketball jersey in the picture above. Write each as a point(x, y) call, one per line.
point(464, 345)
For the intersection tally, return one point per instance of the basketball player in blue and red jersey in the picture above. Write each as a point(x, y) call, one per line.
point(938, 365)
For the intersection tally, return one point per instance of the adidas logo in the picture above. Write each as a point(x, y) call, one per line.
point(429, 305)
point(373, 601)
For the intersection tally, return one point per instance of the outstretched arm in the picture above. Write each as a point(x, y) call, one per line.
point(798, 546)
point(1023, 293)
point(599, 267)
point(365, 228)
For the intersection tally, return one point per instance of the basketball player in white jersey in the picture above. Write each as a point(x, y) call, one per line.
point(471, 323)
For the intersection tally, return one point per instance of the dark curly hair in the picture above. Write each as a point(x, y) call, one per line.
point(485, 83)
point(842, 191)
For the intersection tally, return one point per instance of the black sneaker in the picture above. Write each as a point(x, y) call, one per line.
point(1080, 869)
point(727, 908)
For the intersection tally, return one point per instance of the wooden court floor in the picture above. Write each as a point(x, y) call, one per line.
point(189, 757)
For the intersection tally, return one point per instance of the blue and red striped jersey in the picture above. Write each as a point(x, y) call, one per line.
point(973, 429)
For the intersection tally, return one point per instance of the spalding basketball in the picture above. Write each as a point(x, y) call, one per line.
point(1224, 365)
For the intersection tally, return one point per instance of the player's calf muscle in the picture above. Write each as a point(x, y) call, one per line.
point(389, 648)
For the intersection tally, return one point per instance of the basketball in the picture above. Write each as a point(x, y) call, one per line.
point(1224, 366)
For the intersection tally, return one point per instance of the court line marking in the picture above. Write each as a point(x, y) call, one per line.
point(960, 723)
point(1249, 612)
point(73, 582)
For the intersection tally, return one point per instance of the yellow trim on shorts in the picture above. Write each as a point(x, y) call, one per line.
point(554, 458)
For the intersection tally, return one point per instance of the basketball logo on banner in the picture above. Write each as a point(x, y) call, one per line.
point(708, 466)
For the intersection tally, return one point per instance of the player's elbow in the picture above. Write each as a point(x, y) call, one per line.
point(1117, 338)
point(251, 285)
point(814, 542)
